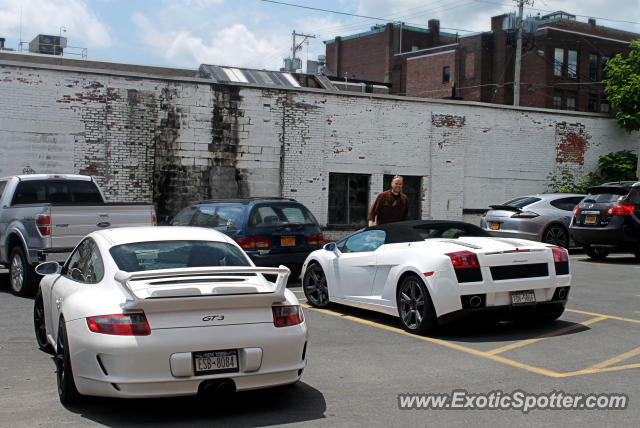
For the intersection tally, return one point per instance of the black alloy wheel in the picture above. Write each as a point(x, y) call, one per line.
point(67, 390)
point(415, 307)
point(39, 324)
point(556, 235)
point(597, 253)
point(314, 284)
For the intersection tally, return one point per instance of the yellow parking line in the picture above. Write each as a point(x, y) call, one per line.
point(602, 370)
point(617, 359)
point(451, 345)
point(544, 336)
point(603, 315)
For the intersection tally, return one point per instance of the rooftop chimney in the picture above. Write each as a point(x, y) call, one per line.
point(434, 27)
point(592, 21)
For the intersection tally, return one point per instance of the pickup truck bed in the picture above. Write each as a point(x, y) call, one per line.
point(43, 218)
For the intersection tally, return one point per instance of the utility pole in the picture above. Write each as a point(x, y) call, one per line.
point(516, 73)
point(295, 48)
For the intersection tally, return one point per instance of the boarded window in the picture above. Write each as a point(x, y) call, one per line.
point(412, 187)
point(348, 198)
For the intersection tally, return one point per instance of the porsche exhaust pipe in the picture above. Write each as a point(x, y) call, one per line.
point(217, 387)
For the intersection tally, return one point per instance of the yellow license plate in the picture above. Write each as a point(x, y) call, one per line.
point(590, 219)
point(494, 226)
point(287, 241)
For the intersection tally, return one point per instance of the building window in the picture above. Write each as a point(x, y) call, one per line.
point(605, 107)
point(557, 101)
point(604, 63)
point(571, 102)
point(593, 102)
point(415, 48)
point(445, 74)
point(593, 67)
point(348, 198)
point(558, 61)
point(572, 64)
point(412, 187)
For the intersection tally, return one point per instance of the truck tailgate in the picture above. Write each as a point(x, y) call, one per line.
point(70, 223)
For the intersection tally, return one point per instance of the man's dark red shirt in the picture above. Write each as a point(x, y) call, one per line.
point(389, 207)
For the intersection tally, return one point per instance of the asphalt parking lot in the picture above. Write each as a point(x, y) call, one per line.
point(360, 361)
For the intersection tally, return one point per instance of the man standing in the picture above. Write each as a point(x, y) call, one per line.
point(390, 205)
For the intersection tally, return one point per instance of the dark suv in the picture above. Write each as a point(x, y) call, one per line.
point(272, 231)
point(608, 219)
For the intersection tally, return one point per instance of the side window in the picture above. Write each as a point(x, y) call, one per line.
point(566, 204)
point(228, 215)
point(205, 217)
point(634, 196)
point(85, 264)
point(3, 184)
point(183, 218)
point(364, 242)
point(453, 233)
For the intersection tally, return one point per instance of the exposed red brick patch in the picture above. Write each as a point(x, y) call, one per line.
point(571, 143)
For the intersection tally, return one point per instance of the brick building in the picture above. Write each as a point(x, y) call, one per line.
point(562, 61)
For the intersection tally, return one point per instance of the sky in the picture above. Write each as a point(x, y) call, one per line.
point(255, 33)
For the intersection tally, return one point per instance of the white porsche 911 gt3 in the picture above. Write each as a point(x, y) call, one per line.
point(430, 272)
point(166, 311)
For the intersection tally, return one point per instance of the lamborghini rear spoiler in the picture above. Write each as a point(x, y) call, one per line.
point(202, 287)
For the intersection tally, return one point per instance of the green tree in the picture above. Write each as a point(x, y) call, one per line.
point(623, 89)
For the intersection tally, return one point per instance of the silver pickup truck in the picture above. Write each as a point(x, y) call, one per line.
point(44, 216)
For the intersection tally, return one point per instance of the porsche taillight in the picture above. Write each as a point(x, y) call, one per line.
point(120, 324)
point(285, 316)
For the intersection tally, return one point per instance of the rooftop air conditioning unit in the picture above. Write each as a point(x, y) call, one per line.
point(49, 45)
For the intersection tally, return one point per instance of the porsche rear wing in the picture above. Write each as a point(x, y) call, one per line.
point(202, 287)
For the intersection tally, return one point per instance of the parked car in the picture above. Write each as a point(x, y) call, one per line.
point(542, 217)
point(272, 231)
point(166, 311)
point(428, 272)
point(44, 216)
point(608, 219)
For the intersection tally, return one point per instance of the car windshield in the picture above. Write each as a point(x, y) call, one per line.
point(141, 256)
point(521, 202)
point(279, 215)
point(449, 231)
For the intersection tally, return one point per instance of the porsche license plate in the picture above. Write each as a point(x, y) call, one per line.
point(215, 362)
point(494, 226)
point(288, 241)
point(522, 297)
point(590, 219)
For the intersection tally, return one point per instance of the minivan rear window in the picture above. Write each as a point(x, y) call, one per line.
point(269, 215)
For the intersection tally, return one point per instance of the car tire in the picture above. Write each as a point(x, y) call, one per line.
point(556, 234)
point(415, 307)
point(39, 324)
point(22, 278)
point(596, 253)
point(67, 390)
point(314, 284)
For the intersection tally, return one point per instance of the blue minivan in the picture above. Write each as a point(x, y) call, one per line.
point(272, 231)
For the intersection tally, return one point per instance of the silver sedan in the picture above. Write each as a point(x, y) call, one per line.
point(542, 217)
